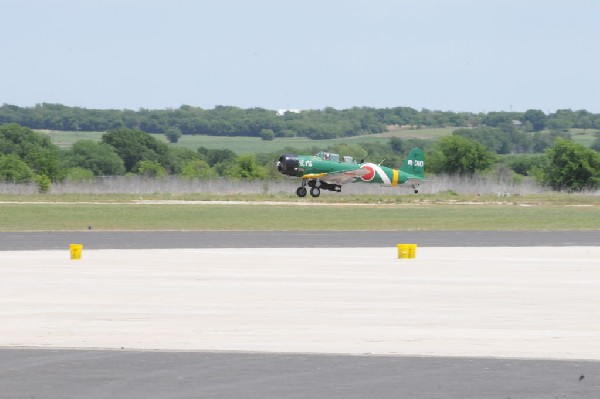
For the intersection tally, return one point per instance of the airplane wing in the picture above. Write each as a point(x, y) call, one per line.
point(339, 177)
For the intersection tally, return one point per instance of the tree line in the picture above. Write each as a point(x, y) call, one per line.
point(259, 122)
point(29, 156)
point(26, 156)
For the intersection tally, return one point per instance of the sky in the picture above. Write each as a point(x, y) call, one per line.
point(449, 55)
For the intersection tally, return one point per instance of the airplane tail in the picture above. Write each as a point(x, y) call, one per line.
point(414, 164)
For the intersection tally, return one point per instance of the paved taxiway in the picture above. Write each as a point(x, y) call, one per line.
point(23, 241)
point(493, 305)
point(99, 374)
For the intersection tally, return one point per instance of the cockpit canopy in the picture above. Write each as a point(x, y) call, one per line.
point(330, 156)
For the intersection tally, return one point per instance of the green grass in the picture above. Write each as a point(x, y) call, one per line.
point(254, 145)
point(585, 137)
point(106, 216)
point(65, 139)
point(427, 133)
point(442, 198)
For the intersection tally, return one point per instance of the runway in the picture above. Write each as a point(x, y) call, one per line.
point(98, 374)
point(301, 322)
point(24, 241)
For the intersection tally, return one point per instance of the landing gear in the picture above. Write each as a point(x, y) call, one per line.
point(415, 188)
point(315, 188)
point(325, 186)
point(301, 191)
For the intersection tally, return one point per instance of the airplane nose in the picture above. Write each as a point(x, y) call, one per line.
point(287, 164)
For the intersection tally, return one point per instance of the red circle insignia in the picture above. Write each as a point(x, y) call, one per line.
point(370, 174)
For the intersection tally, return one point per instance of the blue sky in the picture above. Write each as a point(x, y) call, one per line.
point(455, 55)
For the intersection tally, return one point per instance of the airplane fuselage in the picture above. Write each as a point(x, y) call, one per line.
point(313, 167)
point(326, 171)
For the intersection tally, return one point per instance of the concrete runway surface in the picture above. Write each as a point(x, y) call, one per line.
point(302, 322)
point(512, 302)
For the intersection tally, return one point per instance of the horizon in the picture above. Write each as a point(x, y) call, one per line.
point(292, 110)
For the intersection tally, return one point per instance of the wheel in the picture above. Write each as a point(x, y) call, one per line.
point(416, 191)
point(315, 191)
point(301, 192)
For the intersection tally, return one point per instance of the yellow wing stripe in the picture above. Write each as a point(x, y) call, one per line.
point(395, 178)
point(314, 175)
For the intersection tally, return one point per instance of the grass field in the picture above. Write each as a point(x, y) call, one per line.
point(66, 139)
point(585, 137)
point(254, 145)
point(129, 215)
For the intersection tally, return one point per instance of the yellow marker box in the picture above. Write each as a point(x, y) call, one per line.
point(407, 251)
point(76, 250)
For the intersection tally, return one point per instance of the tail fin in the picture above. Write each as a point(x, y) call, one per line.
point(414, 164)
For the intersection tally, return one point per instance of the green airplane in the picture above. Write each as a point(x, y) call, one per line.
point(326, 171)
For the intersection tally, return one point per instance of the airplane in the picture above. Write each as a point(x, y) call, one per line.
point(326, 171)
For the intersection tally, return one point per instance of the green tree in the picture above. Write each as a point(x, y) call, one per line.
point(213, 157)
point(79, 175)
point(523, 164)
point(267, 134)
point(494, 139)
point(537, 119)
point(571, 167)
point(181, 156)
point(397, 145)
point(15, 170)
point(151, 169)
point(461, 156)
point(45, 161)
point(498, 119)
point(355, 151)
point(245, 167)
point(35, 149)
point(596, 145)
point(173, 134)
point(562, 120)
point(134, 146)
point(43, 183)
point(100, 158)
point(198, 169)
